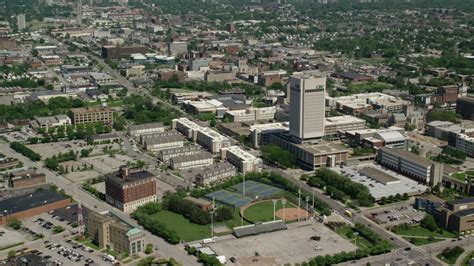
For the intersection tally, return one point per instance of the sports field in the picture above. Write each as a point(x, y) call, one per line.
point(262, 211)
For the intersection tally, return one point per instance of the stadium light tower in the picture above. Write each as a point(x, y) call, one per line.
point(307, 207)
point(283, 202)
point(299, 203)
point(212, 216)
point(274, 208)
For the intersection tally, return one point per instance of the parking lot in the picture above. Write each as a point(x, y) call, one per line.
point(288, 246)
point(378, 189)
point(395, 214)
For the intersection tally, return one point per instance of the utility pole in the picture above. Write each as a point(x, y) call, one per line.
point(212, 217)
point(307, 208)
point(274, 208)
point(283, 202)
point(299, 202)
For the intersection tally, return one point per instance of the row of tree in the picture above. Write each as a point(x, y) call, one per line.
point(25, 151)
point(341, 188)
point(193, 212)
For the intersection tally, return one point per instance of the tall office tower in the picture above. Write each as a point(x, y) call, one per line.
point(21, 22)
point(79, 12)
point(307, 107)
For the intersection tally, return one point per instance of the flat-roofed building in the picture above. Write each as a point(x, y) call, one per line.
point(23, 179)
point(212, 140)
point(127, 190)
point(409, 164)
point(392, 139)
point(214, 173)
point(87, 115)
point(164, 142)
point(50, 122)
point(110, 232)
point(187, 127)
point(202, 106)
point(465, 107)
point(169, 133)
point(340, 124)
point(202, 159)
point(311, 156)
point(32, 204)
point(166, 154)
point(260, 134)
point(243, 160)
point(102, 79)
point(144, 129)
point(251, 114)
point(379, 176)
point(359, 103)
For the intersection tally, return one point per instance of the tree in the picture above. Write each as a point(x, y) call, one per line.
point(149, 248)
point(429, 223)
point(11, 253)
point(15, 224)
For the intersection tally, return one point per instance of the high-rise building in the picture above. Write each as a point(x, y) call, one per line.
point(21, 22)
point(79, 12)
point(307, 107)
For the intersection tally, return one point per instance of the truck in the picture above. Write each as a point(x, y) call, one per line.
point(348, 213)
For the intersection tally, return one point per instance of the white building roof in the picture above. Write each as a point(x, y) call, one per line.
point(390, 136)
point(242, 154)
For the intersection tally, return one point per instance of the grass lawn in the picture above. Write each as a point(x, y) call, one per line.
point(235, 221)
point(421, 241)
point(465, 261)
point(185, 229)
point(459, 176)
point(420, 231)
point(348, 233)
point(263, 211)
point(452, 256)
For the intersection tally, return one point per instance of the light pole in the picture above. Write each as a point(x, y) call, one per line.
point(299, 203)
point(243, 186)
point(274, 208)
point(212, 217)
point(283, 202)
point(307, 207)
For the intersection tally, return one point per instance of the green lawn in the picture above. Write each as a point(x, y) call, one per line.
point(235, 221)
point(465, 261)
point(459, 176)
point(185, 229)
point(452, 256)
point(420, 231)
point(421, 241)
point(348, 233)
point(262, 211)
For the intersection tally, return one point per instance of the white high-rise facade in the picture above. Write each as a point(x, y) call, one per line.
point(307, 107)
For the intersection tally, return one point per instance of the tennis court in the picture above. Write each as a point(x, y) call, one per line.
point(229, 198)
point(257, 190)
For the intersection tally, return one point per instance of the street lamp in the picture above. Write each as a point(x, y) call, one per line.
point(274, 208)
point(307, 207)
point(299, 202)
point(283, 202)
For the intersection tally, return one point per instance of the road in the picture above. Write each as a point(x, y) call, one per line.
point(151, 162)
point(398, 242)
point(164, 249)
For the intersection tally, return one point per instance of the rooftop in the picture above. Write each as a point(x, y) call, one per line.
point(378, 175)
point(133, 176)
point(242, 154)
point(214, 135)
point(146, 126)
point(343, 119)
point(408, 156)
point(85, 110)
point(319, 149)
point(25, 202)
point(192, 157)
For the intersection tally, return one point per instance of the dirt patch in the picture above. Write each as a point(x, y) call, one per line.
point(291, 214)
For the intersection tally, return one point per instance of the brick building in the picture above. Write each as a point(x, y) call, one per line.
point(108, 231)
point(127, 190)
point(26, 206)
point(91, 115)
point(25, 179)
point(113, 52)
